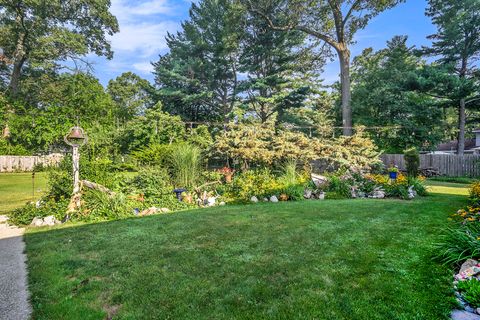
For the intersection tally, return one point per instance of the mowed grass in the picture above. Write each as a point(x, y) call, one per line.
point(16, 189)
point(447, 187)
point(332, 259)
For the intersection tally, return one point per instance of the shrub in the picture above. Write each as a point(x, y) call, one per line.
point(259, 183)
point(340, 186)
point(154, 184)
point(475, 193)
point(470, 291)
point(185, 161)
point(412, 159)
point(98, 206)
point(25, 215)
point(459, 244)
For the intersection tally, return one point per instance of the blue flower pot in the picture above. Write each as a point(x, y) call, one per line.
point(393, 175)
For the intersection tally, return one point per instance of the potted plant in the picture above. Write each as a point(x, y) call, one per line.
point(227, 173)
point(393, 172)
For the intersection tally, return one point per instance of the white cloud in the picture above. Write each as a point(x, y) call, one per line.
point(144, 39)
point(144, 67)
point(126, 10)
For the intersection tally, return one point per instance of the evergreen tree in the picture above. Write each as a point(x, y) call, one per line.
point(457, 42)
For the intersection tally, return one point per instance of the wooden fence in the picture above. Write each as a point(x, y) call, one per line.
point(27, 163)
point(447, 165)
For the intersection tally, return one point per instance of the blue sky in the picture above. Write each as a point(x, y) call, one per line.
point(144, 24)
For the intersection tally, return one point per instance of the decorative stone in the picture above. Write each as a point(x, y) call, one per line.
point(361, 194)
point(211, 201)
point(164, 210)
point(307, 194)
point(37, 222)
point(321, 196)
point(464, 315)
point(468, 264)
point(319, 181)
point(49, 221)
point(148, 211)
point(265, 199)
point(254, 199)
point(273, 199)
point(378, 193)
point(477, 310)
point(222, 203)
point(411, 192)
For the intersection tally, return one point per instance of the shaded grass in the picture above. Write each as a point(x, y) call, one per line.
point(332, 259)
point(16, 189)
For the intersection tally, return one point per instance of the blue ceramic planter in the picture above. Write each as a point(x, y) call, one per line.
point(393, 175)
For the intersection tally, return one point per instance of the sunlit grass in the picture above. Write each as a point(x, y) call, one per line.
point(441, 187)
point(16, 189)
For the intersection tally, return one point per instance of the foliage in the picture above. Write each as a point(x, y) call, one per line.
point(260, 183)
point(152, 187)
point(460, 242)
point(131, 94)
point(40, 34)
point(382, 97)
point(475, 193)
point(185, 161)
point(153, 155)
point(470, 291)
point(197, 79)
point(98, 206)
point(412, 160)
point(47, 207)
point(155, 127)
point(6, 148)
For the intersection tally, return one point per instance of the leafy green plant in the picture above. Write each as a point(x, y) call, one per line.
point(259, 183)
point(459, 244)
point(339, 186)
point(47, 207)
point(185, 161)
point(101, 206)
point(412, 159)
point(470, 291)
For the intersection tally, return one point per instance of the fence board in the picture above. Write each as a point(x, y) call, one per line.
point(446, 164)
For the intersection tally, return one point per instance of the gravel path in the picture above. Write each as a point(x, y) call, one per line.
point(14, 304)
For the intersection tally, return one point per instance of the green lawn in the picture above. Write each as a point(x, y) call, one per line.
point(447, 187)
point(16, 189)
point(332, 259)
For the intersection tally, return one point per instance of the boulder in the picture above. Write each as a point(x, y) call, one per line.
point(37, 222)
point(273, 199)
point(378, 193)
point(468, 264)
point(307, 194)
point(211, 201)
point(254, 199)
point(319, 181)
point(49, 221)
point(321, 196)
point(222, 203)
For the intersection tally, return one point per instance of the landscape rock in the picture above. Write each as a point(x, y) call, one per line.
point(37, 222)
point(468, 273)
point(468, 264)
point(319, 181)
point(49, 221)
point(148, 211)
point(254, 199)
point(222, 203)
point(378, 193)
point(265, 199)
point(361, 194)
point(464, 315)
point(211, 201)
point(307, 194)
point(321, 196)
point(164, 210)
point(411, 192)
point(273, 199)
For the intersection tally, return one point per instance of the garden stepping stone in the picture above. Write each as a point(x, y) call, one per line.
point(464, 315)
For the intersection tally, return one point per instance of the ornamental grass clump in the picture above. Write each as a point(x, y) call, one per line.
point(185, 163)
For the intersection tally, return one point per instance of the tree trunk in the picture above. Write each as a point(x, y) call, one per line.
point(344, 57)
point(461, 128)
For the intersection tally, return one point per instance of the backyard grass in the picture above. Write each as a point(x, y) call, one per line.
point(332, 259)
point(16, 189)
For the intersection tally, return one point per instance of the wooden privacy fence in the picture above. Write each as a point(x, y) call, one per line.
point(28, 163)
point(447, 165)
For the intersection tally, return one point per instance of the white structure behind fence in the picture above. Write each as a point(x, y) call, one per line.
point(28, 163)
